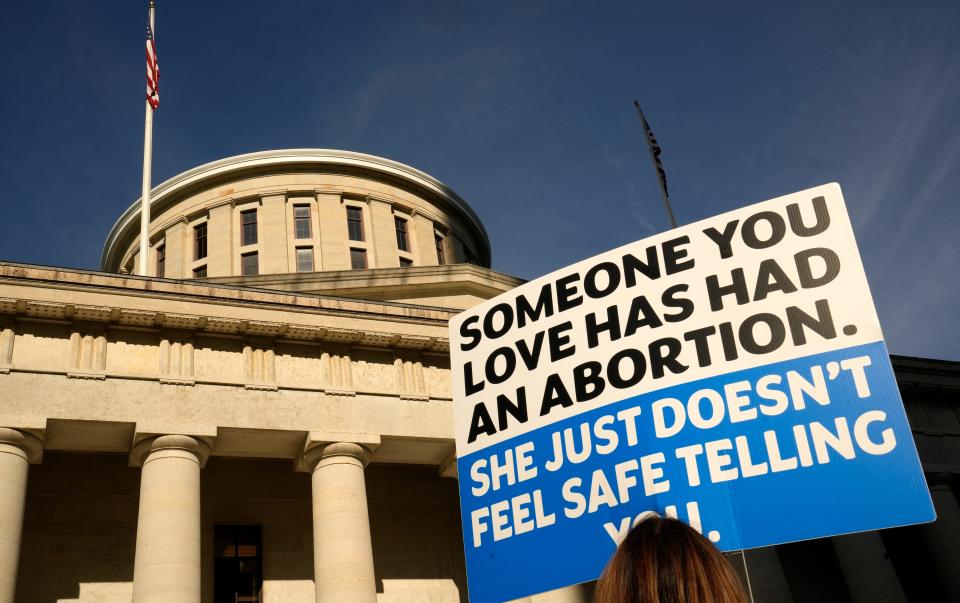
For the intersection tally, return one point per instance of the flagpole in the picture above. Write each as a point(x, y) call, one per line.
point(147, 161)
point(656, 168)
point(673, 223)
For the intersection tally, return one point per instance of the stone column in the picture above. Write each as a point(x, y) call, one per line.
point(383, 234)
point(220, 240)
point(342, 551)
point(943, 536)
point(178, 250)
point(167, 564)
point(867, 570)
point(567, 594)
point(333, 233)
point(17, 450)
point(423, 246)
point(577, 593)
point(273, 234)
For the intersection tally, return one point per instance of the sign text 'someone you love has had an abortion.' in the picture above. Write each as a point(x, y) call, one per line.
point(759, 333)
point(731, 373)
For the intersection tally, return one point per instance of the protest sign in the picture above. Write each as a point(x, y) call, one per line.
point(731, 373)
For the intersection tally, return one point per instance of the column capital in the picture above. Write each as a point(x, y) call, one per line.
point(337, 449)
point(321, 446)
point(29, 445)
point(195, 445)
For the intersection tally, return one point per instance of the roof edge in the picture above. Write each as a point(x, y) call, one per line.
point(280, 157)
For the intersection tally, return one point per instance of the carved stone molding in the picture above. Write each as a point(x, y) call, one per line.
point(7, 337)
point(87, 353)
point(408, 371)
point(176, 360)
point(259, 366)
point(92, 315)
point(336, 368)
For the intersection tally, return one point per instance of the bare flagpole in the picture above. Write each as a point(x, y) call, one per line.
point(147, 161)
point(654, 147)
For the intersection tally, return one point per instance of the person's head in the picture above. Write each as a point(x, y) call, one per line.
point(663, 560)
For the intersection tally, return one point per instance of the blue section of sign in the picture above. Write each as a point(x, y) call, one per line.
point(534, 538)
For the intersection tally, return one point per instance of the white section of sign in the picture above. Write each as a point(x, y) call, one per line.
point(693, 258)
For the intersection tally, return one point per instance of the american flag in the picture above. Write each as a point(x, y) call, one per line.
point(655, 151)
point(153, 71)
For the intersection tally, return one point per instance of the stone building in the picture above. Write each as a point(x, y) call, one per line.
point(268, 417)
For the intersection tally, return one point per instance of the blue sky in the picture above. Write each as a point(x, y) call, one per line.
point(524, 108)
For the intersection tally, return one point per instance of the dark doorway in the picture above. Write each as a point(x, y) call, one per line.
point(237, 570)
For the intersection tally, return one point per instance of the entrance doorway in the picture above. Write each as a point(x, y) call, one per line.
point(238, 566)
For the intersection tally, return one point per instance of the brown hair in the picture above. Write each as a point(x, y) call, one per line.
point(663, 560)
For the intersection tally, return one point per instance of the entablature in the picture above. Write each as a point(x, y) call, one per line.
point(41, 293)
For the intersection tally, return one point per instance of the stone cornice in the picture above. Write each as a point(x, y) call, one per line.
point(464, 275)
point(211, 291)
point(213, 297)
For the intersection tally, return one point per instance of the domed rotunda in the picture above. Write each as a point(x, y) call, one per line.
point(305, 220)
